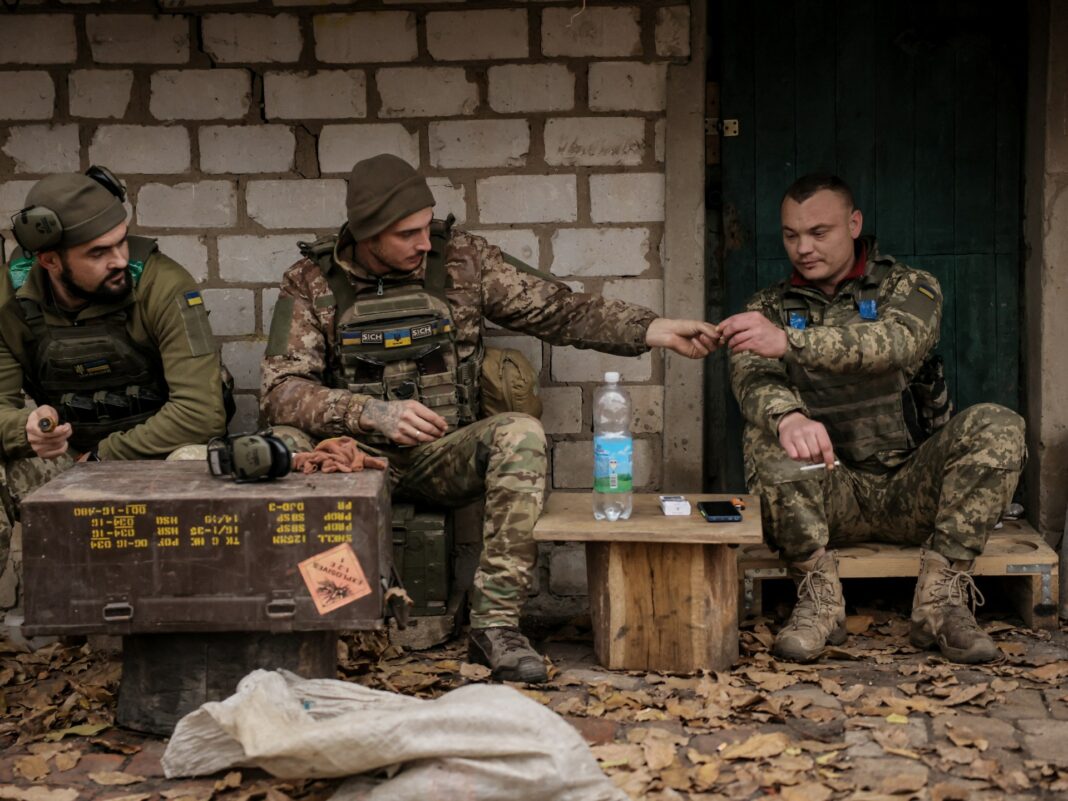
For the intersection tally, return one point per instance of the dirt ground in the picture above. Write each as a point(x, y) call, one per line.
point(874, 719)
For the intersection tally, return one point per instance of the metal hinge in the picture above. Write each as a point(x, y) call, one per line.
point(714, 125)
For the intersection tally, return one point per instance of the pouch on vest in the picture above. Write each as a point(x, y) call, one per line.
point(927, 405)
point(509, 384)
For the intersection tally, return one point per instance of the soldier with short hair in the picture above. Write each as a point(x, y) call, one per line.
point(374, 339)
point(106, 334)
point(836, 364)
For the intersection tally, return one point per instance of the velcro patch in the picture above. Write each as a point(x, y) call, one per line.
point(197, 327)
point(93, 367)
point(394, 337)
point(922, 302)
point(193, 298)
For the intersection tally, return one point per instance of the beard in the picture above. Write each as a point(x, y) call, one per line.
point(103, 292)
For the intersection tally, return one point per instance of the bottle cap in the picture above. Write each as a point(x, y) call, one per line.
point(611, 378)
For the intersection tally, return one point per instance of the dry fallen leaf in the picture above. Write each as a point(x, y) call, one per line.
point(808, 791)
point(32, 767)
point(963, 736)
point(114, 777)
point(38, 793)
point(131, 797)
point(858, 624)
point(659, 753)
point(473, 672)
point(756, 747)
point(229, 781)
point(706, 775)
point(67, 760)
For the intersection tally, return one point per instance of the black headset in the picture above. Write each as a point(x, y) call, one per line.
point(38, 228)
point(255, 456)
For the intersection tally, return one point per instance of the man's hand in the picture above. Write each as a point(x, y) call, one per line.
point(693, 339)
point(404, 422)
point(752, 331)
point(805, 440)
point(49, 444)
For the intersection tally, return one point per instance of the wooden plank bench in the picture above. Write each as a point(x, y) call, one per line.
point(1016, 552)
point(663, 590)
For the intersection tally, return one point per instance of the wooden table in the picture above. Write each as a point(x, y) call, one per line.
point(663, 590)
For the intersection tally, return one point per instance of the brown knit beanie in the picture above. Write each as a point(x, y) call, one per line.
point(382, 190)
point(84, 207)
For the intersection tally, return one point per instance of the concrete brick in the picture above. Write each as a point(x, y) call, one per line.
point(561, 410)
point(325, 95)
point(527, 198)
point(502, 33)
point(190, 251)
point(627, 197)
point(259, 258)
point(268, 299)
point(573, 465)
point(138, 38)
point(531, 87)
point(27, 95)
point(567, 570)
point(246, 417)
point(627, 86)
point(594, 141)
point(648, 405)
point(311, 203)
point(222, 94)
point(367, 38)
point(522, 243)
point(251, 38)
point(479, 143)
point(232, 311)
point(450, 199)
point(648, 292)
point(673, 31)
point(341, 146)
point(573, 364)
point(44, 148)
point(659, 139)
point(141, 148)
point(426, 92)
point(246, 148)
point(99, 94)
point(12, 199)
point(527, 345)
point(600, 251)
point(598, 31)
point(201, 204)
point(57, 30)
point(243, 360)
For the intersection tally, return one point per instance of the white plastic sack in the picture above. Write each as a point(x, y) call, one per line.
point(476, 742)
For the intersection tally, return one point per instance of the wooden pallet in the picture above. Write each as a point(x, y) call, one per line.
point(1015, 552)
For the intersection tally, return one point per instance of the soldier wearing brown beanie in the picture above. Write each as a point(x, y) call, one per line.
point(106, 334)
point(377, 335)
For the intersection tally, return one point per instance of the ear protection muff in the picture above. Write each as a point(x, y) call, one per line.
point(256, 456)
point(38, 228)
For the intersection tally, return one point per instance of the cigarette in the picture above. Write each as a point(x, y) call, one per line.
point(820, 466)
point(46, 424)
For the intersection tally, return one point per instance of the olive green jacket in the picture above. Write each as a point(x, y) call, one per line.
point(162, 315)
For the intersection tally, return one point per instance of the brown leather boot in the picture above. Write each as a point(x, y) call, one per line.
point(819, 616)
point(941, 615)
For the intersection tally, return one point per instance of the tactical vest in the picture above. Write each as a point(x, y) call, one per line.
point(93, 373)
point(396, 341)
point(864, 413)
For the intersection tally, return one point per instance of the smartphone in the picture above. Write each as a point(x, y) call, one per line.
point(719, 511)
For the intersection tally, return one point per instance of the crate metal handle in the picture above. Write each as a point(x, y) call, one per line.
point(118, 611)
point(281, 607)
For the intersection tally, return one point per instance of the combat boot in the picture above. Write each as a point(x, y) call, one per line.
point(941, 615)
point(819, 616)
point(507, 653)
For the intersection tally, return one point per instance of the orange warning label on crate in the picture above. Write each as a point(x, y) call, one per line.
point(334, 578)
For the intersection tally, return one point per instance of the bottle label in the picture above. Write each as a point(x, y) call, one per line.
point(612, 464)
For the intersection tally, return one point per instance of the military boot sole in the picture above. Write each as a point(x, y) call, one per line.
point(982, 650)
point(530, 670)
point(794, 651)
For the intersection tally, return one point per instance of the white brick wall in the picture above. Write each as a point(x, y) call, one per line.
point(572, 364)
point(259, 258)
point(243, 359)
point(297, 204)
point(190, 251)
point(531, 87)
point(222, 94)
point(561, 410)
point(246, 148)
point(141, 148)
point(232, 311)
point(522, 243)
point(597, 31)
point(594, 141)
point(99, 94)
point(628, 86)
point(365, 38)
point(450, 198)
point(43, 148)
point(527, 198)
point(477, 35)
point(600, 251)
point(673, 31)
point(12, 199)
point(627, 197)
point(648, 292)
point(648, 405)
point(341, 146)
point(479, 143)
point(22, 37)
point(252, 38)
point(138, 39)
point(426, 92)
point(325, 95)
point(26, 95)
point(573, 464)
point(201, 204)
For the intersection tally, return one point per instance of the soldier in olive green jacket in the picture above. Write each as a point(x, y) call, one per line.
point(107, 335)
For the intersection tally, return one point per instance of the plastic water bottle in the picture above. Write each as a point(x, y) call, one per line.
point(613, 451)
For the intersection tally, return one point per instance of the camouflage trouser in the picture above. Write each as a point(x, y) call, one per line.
point(503, 459)
point(946, 496)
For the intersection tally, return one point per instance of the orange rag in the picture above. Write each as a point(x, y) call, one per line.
point(336, 455)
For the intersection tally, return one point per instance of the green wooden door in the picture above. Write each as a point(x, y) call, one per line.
point(918, 106)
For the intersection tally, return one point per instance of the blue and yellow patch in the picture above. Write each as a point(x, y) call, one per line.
point(94, 367)
point(394, 337)
point(193, 298)
point(923, 289)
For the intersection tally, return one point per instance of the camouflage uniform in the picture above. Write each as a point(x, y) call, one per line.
point(502, 457)
point(945, 492)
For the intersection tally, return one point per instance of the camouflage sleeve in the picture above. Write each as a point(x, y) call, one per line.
point(549, 310)
point(13, 410)
point(907, 329)
point(292, 391)
point(760, 384)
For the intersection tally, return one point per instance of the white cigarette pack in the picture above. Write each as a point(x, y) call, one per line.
point(674, 505)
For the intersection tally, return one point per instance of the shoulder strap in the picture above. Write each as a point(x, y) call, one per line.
point(873, 279)
point(141, 248)
point(440, 231)
point(321, 251)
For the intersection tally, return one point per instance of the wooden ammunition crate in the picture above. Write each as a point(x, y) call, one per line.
point(149, 547)
point(1016, 554)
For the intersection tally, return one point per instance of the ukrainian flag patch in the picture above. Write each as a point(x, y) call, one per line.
point(94, 367)
point(398, 338)
point(193, 298)
point(923, 289)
